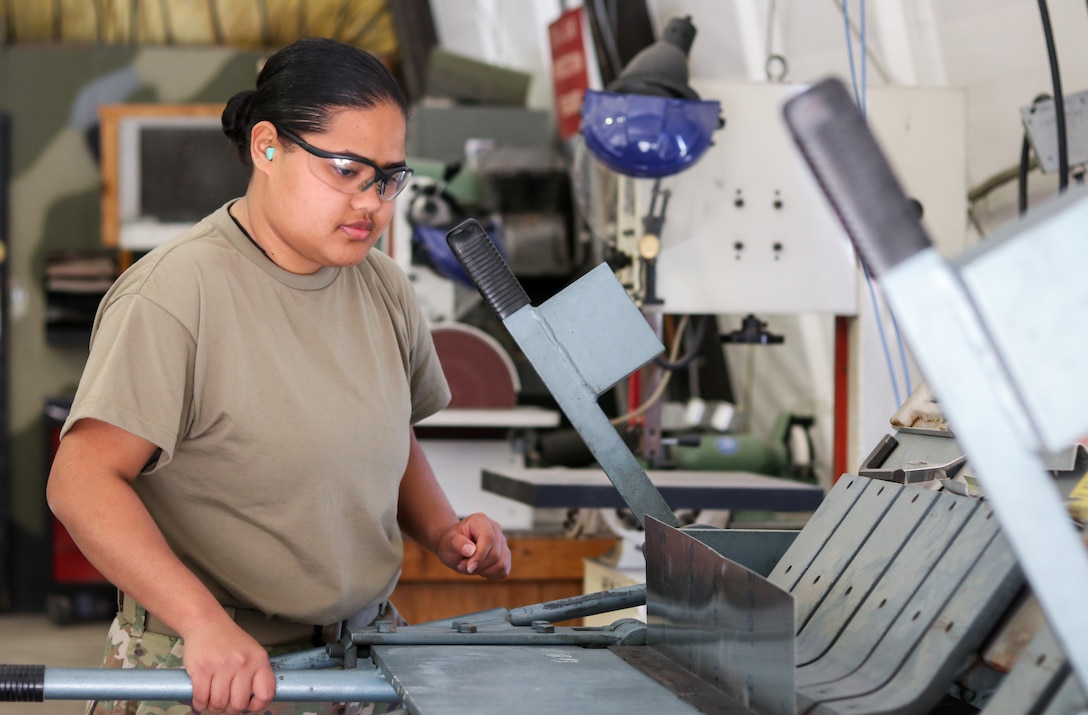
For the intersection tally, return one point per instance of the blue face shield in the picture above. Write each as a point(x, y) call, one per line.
point(646, 136)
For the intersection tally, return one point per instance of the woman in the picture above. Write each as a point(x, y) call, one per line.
point(239, 459)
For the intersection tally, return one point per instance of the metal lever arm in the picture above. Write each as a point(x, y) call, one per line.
point(581, 341)
point(487, 269)
point(852, 171)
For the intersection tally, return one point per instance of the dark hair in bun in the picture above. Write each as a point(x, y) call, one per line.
point(306, 81)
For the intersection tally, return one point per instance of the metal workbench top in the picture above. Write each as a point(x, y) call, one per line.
point(560, 487)
point(541, 680)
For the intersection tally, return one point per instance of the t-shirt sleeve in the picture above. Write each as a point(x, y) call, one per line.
point(430, 391)
point(429, 388)
point(138, 375)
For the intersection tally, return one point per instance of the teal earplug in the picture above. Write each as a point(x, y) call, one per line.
point(269, 152)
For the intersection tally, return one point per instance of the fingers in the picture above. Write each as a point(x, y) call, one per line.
point(497, 565)
point(230, 671)
point(264, 689)
point(464, 545)
point(222, 685)
point(489, 556)
point(476, 545)
point(234, 693)
point(201, 691)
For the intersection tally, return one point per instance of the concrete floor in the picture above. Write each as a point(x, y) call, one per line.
point(36, 640)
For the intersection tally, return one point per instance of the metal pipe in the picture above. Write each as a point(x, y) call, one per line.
point(174, 684)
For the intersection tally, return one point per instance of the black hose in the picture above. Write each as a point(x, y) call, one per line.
point(1022, 177)
point(605, 26)
point(1025, 164)
point(1059, 100)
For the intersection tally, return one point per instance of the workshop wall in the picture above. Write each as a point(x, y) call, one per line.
point(54, 198)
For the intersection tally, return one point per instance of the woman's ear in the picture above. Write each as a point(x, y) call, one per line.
point(263, 144)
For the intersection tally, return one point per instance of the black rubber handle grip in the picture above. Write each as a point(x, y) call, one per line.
point(487, 269)
point(855, 176)
point(22, 683)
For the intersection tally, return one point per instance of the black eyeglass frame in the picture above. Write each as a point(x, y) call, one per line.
point(382, 177)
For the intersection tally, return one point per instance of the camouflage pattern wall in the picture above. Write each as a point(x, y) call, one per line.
point(51, 93)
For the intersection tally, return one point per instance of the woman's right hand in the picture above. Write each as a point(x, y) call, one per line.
point(230, 671)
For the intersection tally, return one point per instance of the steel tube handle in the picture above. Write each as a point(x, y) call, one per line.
point(35, 683)
point(855, 176)
point(487, 269)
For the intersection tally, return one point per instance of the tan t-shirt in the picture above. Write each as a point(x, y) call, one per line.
point(281, 405)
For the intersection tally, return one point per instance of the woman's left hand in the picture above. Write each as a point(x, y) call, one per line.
point(476, 545)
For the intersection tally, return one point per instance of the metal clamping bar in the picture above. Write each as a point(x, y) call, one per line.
point(466, 633)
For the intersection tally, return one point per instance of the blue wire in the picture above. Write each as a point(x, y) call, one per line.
point(883, 338)
point(865, 62)
point(850, 51)
point(864, 89)
point(860, 98)
point(902, 354)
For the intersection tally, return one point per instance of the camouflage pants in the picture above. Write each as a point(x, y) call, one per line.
point(155, 650)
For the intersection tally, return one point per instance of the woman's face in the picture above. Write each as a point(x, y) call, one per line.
point(316, 220)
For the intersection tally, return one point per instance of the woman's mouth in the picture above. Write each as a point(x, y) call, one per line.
point(358, 231)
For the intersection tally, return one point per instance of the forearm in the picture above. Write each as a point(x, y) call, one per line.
point(424, 512)
point(473, 545)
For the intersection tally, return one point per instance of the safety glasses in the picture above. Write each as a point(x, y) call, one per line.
point(349, 173)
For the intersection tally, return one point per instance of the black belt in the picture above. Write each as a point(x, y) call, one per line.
point(266, 631)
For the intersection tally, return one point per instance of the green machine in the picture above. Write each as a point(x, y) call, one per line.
point(786, 452)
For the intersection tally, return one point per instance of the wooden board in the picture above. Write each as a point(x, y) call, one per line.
point(271, 23)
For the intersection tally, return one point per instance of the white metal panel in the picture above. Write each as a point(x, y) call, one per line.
point(747, 229)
